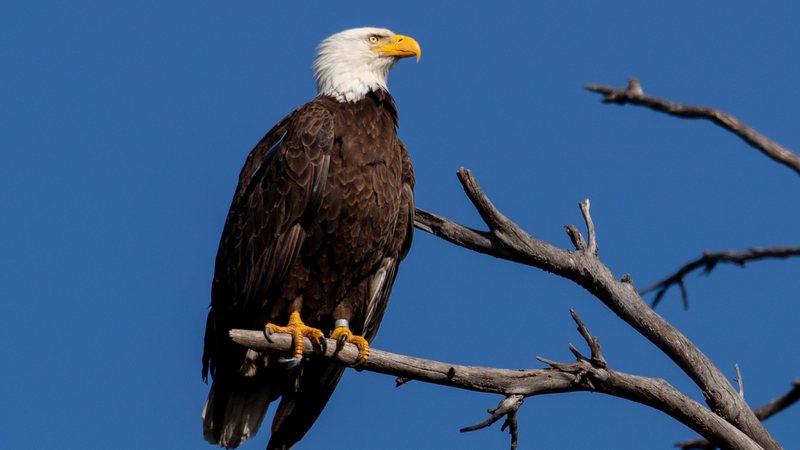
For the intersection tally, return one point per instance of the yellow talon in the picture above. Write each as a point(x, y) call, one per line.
point(348, 336)
point(298, 330)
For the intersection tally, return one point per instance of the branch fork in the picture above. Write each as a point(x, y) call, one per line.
point(708, 262)
point(506, 240)
point(584, 369)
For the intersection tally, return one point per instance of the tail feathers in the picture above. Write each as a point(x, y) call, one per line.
point(299, 410)
point(233, 412)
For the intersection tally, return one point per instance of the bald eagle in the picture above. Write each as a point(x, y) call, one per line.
point(321, 218)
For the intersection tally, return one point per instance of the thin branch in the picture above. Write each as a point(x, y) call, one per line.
point(634, 95)
point(763, 413)
point(455, 233)
point(576, 237)
point(513, 428)
point(506, 240)
point(501, 228)
point(592, 248)
point(709, 261)
point(507, 408)
point(592, 341)
point(739, 380)
point(521, 383)
point(779, 404)
point(506, 405)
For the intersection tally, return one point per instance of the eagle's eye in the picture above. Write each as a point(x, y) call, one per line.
point(373, 39)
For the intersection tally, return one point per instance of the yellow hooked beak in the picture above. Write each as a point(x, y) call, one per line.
point(399, 46)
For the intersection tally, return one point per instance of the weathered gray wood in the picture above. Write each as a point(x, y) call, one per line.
point(634, 95)
point(709, 261)
point(507, 240)
point(582, 375)
point(763, 413)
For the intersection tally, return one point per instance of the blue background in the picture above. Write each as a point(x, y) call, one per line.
point(123, 126)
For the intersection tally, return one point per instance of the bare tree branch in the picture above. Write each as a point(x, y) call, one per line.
point(506, 240)
point(576, 237)
point(515, 385)
point(708, 262)
point(507, 408)
point(592, 247)
point(779, 404)
point(763, 413)
point(634, 95)
point(739, 380)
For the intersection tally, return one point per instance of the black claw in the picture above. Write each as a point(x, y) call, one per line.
point(359, 364)
point(267, 335)
point(323, 344)
point(339, 345)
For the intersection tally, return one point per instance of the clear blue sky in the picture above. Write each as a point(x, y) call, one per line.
point(123, 126)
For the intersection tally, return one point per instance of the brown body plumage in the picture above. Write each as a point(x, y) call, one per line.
point(322, 216)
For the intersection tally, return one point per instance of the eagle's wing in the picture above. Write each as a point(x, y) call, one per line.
point(383, 279)
point(299, 409)
point(279, 191)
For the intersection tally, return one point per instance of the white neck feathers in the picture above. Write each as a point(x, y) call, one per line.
point(346, 69)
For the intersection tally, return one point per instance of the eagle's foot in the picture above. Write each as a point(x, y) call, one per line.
point(298, 330)
point(343, 334)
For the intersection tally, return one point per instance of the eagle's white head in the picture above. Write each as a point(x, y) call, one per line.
point(354, 62)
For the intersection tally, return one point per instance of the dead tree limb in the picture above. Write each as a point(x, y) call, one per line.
point(763, 413)
point(586, 374)
point(779, 404)
point(505, 239)
point(507, 408)
point(634, 95)
point(708, 262)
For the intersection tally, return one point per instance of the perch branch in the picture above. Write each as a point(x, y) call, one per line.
point(634, 95)
point(763, 413)
point(506, 240)
point(515, 385)
point(708, 262)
